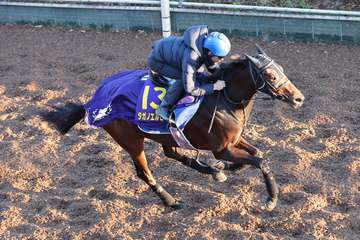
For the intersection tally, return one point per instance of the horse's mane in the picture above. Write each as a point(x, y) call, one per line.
point(237, 63)
point(225, 67)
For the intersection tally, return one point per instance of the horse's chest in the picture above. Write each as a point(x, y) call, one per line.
point(234, 122)
point(233, 134)
point(231, 127)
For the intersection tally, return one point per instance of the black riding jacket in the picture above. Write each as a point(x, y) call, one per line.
point(181, 58)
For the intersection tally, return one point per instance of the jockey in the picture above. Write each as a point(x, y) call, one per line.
point(181, 58)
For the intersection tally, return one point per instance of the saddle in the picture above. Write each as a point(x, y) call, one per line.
point(149, 99)
point(160, 80)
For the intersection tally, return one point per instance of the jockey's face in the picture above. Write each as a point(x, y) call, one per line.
point(215, 59)
point(212, 62)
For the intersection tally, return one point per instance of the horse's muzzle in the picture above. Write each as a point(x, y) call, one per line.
point(297, 101)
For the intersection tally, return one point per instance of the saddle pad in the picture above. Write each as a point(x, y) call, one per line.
point(185, 110)
point(132, 96)
point(183, 113)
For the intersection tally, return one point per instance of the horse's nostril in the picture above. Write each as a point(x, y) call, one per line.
point(299, 100)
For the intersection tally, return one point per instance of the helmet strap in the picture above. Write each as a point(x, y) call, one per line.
point(207, 59)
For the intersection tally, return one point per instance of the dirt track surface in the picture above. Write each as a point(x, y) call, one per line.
point(83, 186)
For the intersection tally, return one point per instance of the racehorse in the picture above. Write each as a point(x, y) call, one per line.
point(217, 125)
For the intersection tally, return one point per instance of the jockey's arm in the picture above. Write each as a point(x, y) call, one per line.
point(191, 85)
point(210, 77)
point(203, 77)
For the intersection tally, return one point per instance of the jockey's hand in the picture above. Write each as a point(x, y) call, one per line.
point(219, 85)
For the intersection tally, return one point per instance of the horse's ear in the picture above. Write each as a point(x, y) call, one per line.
point(254, 61)
point(235, 57)
point(260, 50)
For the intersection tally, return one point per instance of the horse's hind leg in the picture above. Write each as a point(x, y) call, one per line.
point(215, 171)
point(128, 137)
point(145, 174)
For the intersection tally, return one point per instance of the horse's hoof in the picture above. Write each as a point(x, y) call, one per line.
point(219, 176)
point(269, 205)
point(177, 205)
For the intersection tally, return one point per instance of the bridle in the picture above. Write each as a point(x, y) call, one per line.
point(261, 84)
point(270, 88)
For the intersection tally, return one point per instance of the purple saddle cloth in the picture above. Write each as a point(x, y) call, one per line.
point(115, 98)
point(133, 96)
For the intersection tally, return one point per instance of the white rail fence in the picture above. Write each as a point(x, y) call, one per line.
point(177, 15)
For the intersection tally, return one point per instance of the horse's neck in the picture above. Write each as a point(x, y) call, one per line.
point(240, 91)
point(229, 118)
point(240, 85)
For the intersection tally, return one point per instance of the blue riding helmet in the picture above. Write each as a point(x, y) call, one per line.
point(218, 44)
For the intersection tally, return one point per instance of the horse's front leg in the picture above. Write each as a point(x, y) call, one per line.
point(215, 171)
point(244, 144)
point(242, 157)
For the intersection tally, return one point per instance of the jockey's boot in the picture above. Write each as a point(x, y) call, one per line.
point(173, 95)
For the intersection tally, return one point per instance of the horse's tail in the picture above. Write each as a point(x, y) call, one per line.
point(66, 117)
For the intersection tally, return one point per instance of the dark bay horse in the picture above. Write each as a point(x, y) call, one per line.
point(244, 78)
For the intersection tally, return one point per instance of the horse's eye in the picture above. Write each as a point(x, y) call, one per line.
point(271, 75)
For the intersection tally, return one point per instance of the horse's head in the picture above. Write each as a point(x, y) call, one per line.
point(269, 77)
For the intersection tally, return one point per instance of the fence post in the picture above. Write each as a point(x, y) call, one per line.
point(165, 18)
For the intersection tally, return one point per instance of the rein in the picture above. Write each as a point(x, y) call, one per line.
point(215, 108)
point(242, 102)
point(214, 113)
